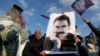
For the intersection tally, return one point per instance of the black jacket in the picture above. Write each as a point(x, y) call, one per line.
point(94, 29)
point(82, 50)
point(33, 47)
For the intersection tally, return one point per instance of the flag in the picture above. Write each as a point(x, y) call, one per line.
point(80, 6)
point(45, 16)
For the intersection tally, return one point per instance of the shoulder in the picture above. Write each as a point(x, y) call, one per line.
point(31, 37)
point(43, 38)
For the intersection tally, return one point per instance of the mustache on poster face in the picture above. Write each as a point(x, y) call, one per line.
point(57, 33)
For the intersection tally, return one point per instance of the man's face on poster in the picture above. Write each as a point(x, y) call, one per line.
point(61, 28)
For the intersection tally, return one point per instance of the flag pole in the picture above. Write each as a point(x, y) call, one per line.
point(45, 16)
point(29, 32)
point(82, 18)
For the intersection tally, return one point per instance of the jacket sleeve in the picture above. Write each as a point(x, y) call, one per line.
point(23, 33)
point(27, 50)
point(35, 47)
point(83, 51)
point(93, 29)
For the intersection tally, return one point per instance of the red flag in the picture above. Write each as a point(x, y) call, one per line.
point(80, 6)
point(45, 16)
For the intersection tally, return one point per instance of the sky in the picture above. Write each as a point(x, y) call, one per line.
point(34, 8)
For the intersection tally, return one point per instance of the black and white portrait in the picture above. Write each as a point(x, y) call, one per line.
point(59, 28)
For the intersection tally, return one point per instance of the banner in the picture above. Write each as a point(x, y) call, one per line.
point(80, 6)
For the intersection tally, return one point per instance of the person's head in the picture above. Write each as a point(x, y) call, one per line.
point(37, 34)
point(61, 25)
point(15, 13)
point(92, 41)
point(17, 20)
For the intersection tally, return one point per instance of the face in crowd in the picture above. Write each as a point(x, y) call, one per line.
point(61, 26)
point(37, 34)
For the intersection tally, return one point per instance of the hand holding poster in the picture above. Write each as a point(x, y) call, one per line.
point(60, 30)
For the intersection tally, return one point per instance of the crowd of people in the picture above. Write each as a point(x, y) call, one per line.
point(13, 35)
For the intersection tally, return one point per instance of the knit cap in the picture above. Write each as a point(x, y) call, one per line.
point(14, 11)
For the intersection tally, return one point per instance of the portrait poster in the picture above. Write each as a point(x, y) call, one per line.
point(59, 34)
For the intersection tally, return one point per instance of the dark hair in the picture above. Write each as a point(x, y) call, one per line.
point(18, 7)
point(63, 17)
